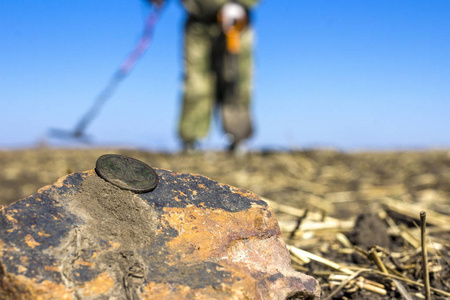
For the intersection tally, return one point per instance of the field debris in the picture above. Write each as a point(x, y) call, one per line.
point(392, 274)
point(355, 217)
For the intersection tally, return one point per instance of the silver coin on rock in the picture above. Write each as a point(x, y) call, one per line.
point(127, 173)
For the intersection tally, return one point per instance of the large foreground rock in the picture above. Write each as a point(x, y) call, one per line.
point(190, 238)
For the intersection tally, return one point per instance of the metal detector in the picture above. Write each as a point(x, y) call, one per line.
point(79, 131)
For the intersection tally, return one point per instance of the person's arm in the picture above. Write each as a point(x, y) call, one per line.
point(156, 2)
point(203, 8)
point(247, 3)
point(207, 8)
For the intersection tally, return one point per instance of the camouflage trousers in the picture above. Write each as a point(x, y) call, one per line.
point(205, 82)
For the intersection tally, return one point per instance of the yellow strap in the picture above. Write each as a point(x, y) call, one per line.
point(233, 35)
point(233, 41)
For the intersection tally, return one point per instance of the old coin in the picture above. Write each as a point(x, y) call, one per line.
point(126, 172)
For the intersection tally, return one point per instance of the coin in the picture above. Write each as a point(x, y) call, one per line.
point(126, 172)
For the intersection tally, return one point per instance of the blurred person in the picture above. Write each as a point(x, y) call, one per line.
point(218, 70)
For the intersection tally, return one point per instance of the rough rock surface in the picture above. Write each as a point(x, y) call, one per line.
point(190, 238)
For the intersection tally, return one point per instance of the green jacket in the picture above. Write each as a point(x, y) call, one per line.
point(205, 9)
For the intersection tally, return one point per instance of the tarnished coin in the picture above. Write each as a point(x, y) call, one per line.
point(126, 172)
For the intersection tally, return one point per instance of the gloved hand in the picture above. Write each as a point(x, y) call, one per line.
point(230, 14)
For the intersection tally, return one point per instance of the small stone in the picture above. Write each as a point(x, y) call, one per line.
point(191, 237)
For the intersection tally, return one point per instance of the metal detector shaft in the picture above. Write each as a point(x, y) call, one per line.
point(120, 74)
point(89, 116)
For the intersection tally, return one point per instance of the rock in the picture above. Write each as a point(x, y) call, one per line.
point(190, 238)
point(369, 231)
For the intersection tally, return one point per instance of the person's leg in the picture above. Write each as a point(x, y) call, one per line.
point(236, 116)
point(199, 83)
point(245, 65)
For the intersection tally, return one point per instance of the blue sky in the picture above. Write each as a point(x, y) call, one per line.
point(345, 74)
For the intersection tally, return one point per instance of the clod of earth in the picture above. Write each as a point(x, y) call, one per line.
point(190, 238)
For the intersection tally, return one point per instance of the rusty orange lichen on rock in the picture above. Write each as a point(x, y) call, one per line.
point(239, 290)
point(82, 262)
point(10, 219)
point(29, 240)
point(114, 245)
point(100, 285)
point(52, 268)
point(2, 247)
point(21, 287)
point(209, 228)
point(242, 192)
point(21, 269)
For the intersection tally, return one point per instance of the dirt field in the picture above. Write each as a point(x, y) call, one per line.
point(318, 196)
